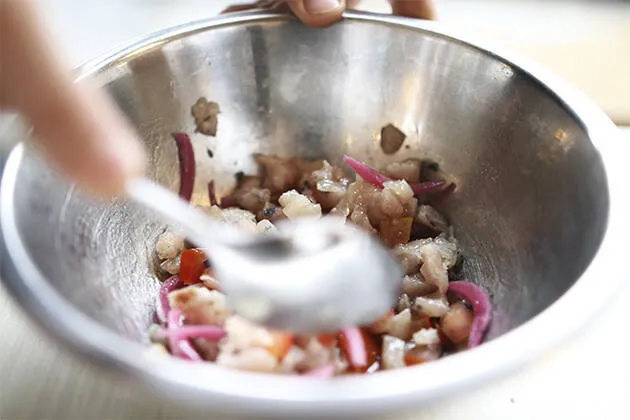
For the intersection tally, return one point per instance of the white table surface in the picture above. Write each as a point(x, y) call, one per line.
point(586, 378)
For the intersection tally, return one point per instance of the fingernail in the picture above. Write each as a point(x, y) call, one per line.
point(318, 7)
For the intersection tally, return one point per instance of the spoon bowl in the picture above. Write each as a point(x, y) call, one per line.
point(313, 276)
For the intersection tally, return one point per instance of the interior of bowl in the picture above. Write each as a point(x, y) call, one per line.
point(530, 205)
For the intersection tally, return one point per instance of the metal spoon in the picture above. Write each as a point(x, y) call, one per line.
point(314, 275)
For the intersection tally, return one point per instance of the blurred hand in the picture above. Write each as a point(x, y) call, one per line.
point(320, 13)
point(75, 125)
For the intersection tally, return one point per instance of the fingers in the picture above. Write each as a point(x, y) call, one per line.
point(83, 135)
point(421, 9)
point(318, 13)
point(75, 125)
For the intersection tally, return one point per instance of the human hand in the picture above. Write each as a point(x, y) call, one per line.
point(319, 13)
point(76, 126)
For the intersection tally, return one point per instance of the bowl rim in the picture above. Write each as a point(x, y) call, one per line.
point(263, 393)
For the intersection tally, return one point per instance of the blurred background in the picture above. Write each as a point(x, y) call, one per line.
point(586, 41)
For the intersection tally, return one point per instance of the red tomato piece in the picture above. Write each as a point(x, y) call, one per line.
point(192, 265)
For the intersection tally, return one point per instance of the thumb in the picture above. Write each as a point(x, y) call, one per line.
point(75, 125)
point(318, 13)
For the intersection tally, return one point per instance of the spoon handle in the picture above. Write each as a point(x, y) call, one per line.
point(199, 227)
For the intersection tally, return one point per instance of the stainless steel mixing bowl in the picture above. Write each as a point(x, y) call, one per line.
point(536, 209)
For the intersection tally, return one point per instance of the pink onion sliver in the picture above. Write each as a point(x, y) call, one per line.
point(325, 371)
point(181, 348)
point(377, 179)
point(364, 171)
point(427, 186)
point(207, 332)
point(480, 302)
point(162, 306)
point(357, 354)
point(187, 165)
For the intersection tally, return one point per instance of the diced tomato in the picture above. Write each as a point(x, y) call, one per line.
point(282, 343)
point(192, 265)
point(371, 347)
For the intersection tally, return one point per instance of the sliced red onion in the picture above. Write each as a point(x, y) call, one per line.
point(481, 307)
point(427, 186)
point(212, 194)
point(357, 353)
point(207, 332)
point(186, 165)
point(377, 179)
point(325, 371)
point(162, 306)
point(181, 348)
point(364, 171)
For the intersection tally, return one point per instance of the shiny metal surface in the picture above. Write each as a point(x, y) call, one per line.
point(308, 277)
point(535, 208)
